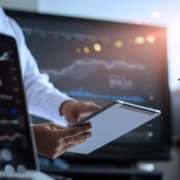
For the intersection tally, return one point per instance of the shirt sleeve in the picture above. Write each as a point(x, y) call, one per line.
point(44, 100)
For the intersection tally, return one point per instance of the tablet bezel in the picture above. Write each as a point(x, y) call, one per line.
point(134, 107)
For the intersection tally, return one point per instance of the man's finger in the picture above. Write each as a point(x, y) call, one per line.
point(73, 131)
point(88, 109)
point(89, 106)
point(76, 141)
point(79, 138)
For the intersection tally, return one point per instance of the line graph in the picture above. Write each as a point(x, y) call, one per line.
point(87, 94)
point(146, 134)
point(6, 97)
point(5, 56)
point(81, 68)
point(9, 122)
point(10, 137)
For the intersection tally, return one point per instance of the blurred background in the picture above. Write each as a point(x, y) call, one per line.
point(162, 12)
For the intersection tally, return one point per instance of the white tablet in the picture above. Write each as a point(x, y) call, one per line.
point(111, 122)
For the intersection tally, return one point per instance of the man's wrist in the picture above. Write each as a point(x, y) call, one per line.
point(63, 106)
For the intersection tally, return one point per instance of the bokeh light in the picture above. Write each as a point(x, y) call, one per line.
point(139, 40)
point(86, 50)
point(118, 44)
point(151, 39)
point(97, 47)
point(155, 15)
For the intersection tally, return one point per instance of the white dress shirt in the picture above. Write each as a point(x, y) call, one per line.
point(43, 98)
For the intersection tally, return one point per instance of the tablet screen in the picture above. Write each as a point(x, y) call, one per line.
point(112, 122)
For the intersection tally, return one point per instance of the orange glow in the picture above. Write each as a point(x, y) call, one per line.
point(86, 50)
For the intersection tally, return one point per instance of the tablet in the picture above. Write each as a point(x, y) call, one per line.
point(111, 122)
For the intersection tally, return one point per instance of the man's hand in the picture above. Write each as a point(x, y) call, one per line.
point(74, 110)
point(53, 140)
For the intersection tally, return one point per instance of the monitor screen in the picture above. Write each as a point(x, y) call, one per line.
point(103, 61)
point(16, 148)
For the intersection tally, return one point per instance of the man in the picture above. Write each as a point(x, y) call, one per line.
point(46, 101)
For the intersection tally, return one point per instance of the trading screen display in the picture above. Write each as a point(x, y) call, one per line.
point(105, 61)
point(15, 143)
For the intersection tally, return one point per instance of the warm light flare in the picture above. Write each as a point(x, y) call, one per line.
point(151, 39)
point(97, 47)
point(139, 40)
point(86, 50)
point(155, 15)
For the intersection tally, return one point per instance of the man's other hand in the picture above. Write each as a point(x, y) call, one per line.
point(53, 140)
point(74, 110)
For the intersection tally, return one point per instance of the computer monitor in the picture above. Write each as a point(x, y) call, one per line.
point(103, 61)
point(17, 152)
